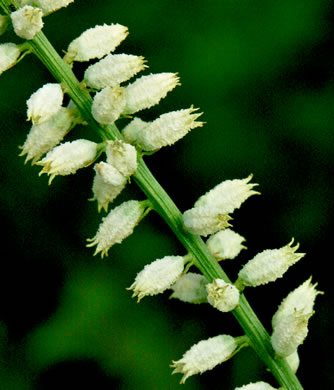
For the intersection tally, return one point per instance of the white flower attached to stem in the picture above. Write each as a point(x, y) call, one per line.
point(158, 276)
point(27, 21)
point(131, 132)
point(96, 42)
point(256, 386)
point(228, 195)
point(107, 185)
point(206, 355)
point(118, 225)
point(289, 333)
point(225, 244)
point(42, 138)
point(68, 157)
point(108, 105)
point(113, 70)
point(190, 288)
point(147, 91)
point(168, 129)
point(9, 54)
point(44, 103)
point(222, 296)
point(300, 300)
point(205, 220)
point(122, 156)
point(49, 6)
point(269, 265)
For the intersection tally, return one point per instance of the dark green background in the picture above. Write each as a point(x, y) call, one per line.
point(262, 73)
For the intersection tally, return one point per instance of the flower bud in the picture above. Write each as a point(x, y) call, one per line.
point(225, 244)
point(122, 156)
point(269, 265)
point(107, 185)
point(4, 22)
point(256, 386)
point(132, 130)
point(108, 105)
point(44, 103)
point(289, 333)
point(48, 6)
point(67, 158)
point(205, 220)
point(293, 361)
point(42, 138)
point(113, 70)
point(228, 195)
point(27, 21)
point(96, 42)
point(158, 276)
point(9, 53)
point(117, 225)
point(168, 129)
point(222, 296)
point(147, 91)
point(190, 288)
point(300, 300)
point(205, 355)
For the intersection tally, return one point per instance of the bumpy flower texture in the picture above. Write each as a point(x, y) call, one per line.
point(9, 54)
point(27, 21)
point(47, 6)
point(205, 355)
point(256, 386)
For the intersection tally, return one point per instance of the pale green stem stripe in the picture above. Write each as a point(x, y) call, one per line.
point(163, 204)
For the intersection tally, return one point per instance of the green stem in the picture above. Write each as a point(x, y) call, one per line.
point(163, 204)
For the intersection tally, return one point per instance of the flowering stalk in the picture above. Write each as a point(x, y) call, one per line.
point(163, 204)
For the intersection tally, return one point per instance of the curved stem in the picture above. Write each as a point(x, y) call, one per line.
point(163, 204)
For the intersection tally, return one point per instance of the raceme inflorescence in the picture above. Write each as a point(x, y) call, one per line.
point(107, 93)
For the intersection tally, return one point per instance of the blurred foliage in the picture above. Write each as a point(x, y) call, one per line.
point(262, 72)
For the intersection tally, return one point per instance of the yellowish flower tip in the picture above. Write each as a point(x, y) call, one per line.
point(222, 296)
point(27, 21)
point(205, 355)
point(117, 225)
point(269, 265)
point(157, 277)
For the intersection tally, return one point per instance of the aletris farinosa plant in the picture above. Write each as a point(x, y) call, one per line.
point(108, 92)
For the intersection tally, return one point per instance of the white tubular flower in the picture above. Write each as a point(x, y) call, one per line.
point(67, 158)
point(4, 22)
point(27, 21)
point(42, 138)
point(222, 296)
point(117, 225)
point(293, 361)
point(205, 355)
point(289, 333)
point(301, 299)
point(158, 276)
point(113, 70)
point(107, 185)
point(44, 103)
point(168, 129)
point(190, 288)
point(256, 386)
point(205, 220)
point(96, 42)
point(132, 130)
point(108, 105)
point(269, 265)
point(122, 156)
point(225, 244)
point(228, 195)
point(147, 91)
point(49, 6)
point(9, 53)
